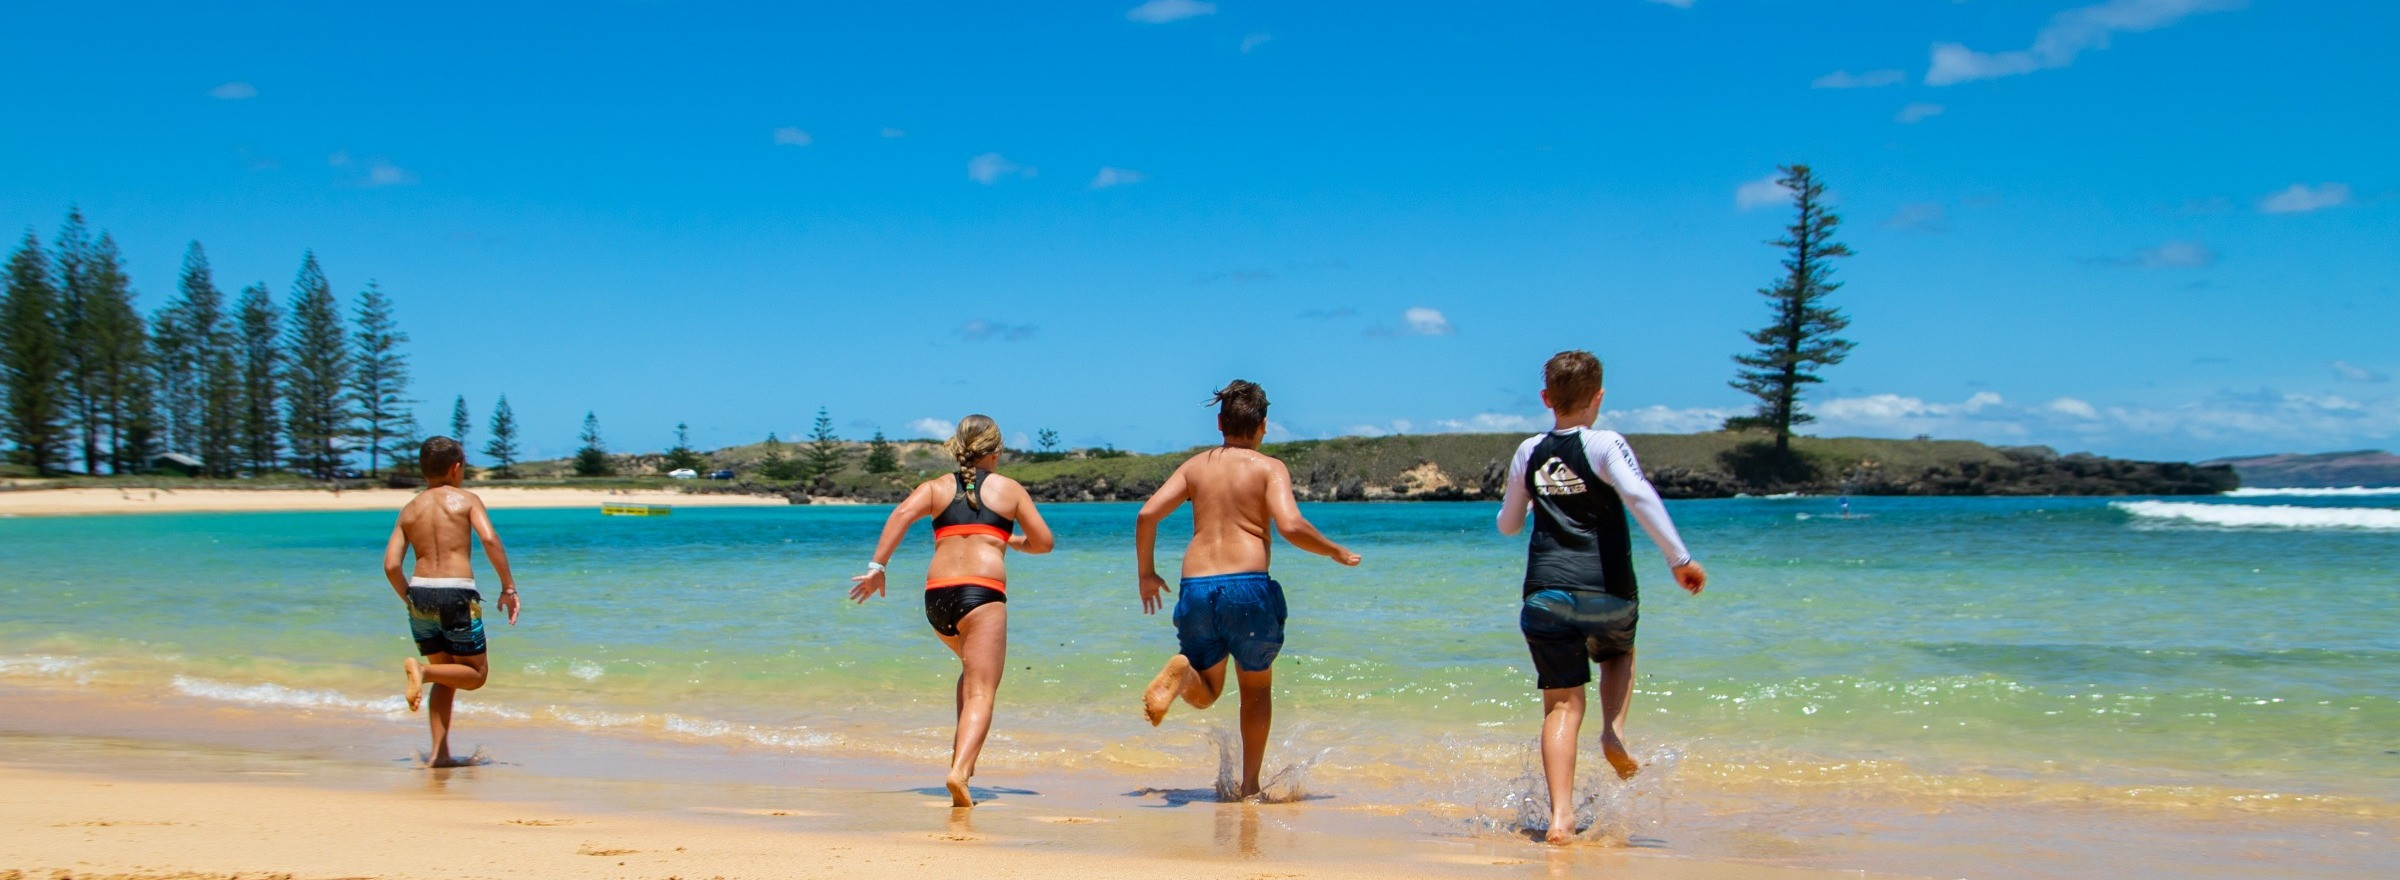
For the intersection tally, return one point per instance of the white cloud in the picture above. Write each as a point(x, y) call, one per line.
point(1761, 193)
point(234, 91)
point(1920, 217)
point(1657, 419)
point(2068, 34)
point(1493, 423)
point(339, 159)
point(2225, 423)
point(1426, 322)
point(980, 329)
point(988, 168)
point(2171, 255)
point(1916, 112)
point(1109, 177)
point(1163, 11)
point(1679, 4)
point(1254, 41)
point(383, 173)
point(891, 132)
point(1872, 79)
point(792, 136)
point(933, 428)
point(2356, 373)
point(2068, 406)
point(2300, 199)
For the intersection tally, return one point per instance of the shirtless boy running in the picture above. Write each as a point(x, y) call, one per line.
point(1229, 608)
point(445, 613)
point(1580, 602)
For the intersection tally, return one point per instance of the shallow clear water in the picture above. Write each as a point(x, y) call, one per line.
point(1935, 644)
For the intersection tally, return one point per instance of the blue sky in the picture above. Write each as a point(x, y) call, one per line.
point(2140, 227)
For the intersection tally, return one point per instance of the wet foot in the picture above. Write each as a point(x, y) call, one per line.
point(1165, 688)
point(1562, 832)
point(1614, 750)
point(959, 795)
point(443, 762)
point(416, 682)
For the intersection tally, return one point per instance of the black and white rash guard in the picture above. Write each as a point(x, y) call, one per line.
point(1579, 483)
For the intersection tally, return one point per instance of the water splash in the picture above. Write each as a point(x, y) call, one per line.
point(1285, 784)
point(1608, 810)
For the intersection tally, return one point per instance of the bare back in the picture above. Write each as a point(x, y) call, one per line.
point(440, 526)
point(1233, 491)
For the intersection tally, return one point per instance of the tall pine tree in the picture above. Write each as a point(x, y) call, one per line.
point(183, 340)
point(824, 454)
point(502, 448)
point(592, 459)
point(258, 388)
point(70, 256)
point(378, 374)
point(317, 412)
point(118, 354)
point(882, 458)
point(460, 423)
point(1800, 340)
point(33, 362)
point(216, 368)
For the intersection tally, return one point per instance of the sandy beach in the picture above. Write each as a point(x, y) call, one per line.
point(81, 502)
point(82, 825)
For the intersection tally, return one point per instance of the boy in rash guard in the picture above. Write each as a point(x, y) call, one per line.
point(1580, 601)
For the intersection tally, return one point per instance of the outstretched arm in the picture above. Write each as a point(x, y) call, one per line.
point(394, 552)
point(918, 505)
point(1145, 538)
point(1036, 537)
point(1296, 528)
point(1615, 463)
point(482, 521)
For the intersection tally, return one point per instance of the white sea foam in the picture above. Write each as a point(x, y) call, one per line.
point(2343, 492)
point(586, 670)
point(45, 666)
point(271, 694)
point(714, 729)
point(2263, 516)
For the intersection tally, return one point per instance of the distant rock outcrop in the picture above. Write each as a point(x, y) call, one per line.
point(2329, 470)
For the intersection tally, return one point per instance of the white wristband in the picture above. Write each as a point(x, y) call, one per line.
point(874, 567)
point(1686, 560)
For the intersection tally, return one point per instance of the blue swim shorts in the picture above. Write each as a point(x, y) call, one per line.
point(1569, 630)
point(445, 616)
point(1237, 615)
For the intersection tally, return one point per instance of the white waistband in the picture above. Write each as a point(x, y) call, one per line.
point(452, 583)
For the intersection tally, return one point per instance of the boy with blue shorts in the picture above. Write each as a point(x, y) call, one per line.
point(1229, 610)
point(445, 612)
point(1580, 602)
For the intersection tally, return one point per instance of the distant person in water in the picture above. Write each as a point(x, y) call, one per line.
point(975, 516)
point(1580, 601)
point(445, 613)
point(1229, 610)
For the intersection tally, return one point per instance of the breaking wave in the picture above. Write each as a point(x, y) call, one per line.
point(2268, 516)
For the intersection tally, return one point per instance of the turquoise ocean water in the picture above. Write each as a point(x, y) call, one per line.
point(2225, 651)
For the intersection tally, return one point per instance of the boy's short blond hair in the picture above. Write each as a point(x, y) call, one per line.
point(1571, 378)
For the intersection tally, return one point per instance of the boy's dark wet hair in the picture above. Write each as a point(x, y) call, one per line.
point(438, 454)
point(1241, 408)
point(1571, 377)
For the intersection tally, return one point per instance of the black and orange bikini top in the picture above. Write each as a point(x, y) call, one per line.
point(961, 518)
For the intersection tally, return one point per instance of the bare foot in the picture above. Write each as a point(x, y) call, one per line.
point(1562, 831)
point(959, 796)
point(1165, 688)
point(445, 762)
point(416, 682)
point(1614, 750)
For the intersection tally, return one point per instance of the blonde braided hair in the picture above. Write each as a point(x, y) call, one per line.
point(977, 436)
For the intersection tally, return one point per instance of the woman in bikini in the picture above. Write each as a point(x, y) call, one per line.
point(975, 514)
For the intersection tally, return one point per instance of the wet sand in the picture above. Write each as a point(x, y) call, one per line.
point(92, 784)
point(78, 502)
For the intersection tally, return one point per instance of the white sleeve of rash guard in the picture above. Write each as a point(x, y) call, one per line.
point(1612, 458)
point(1514, 502)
